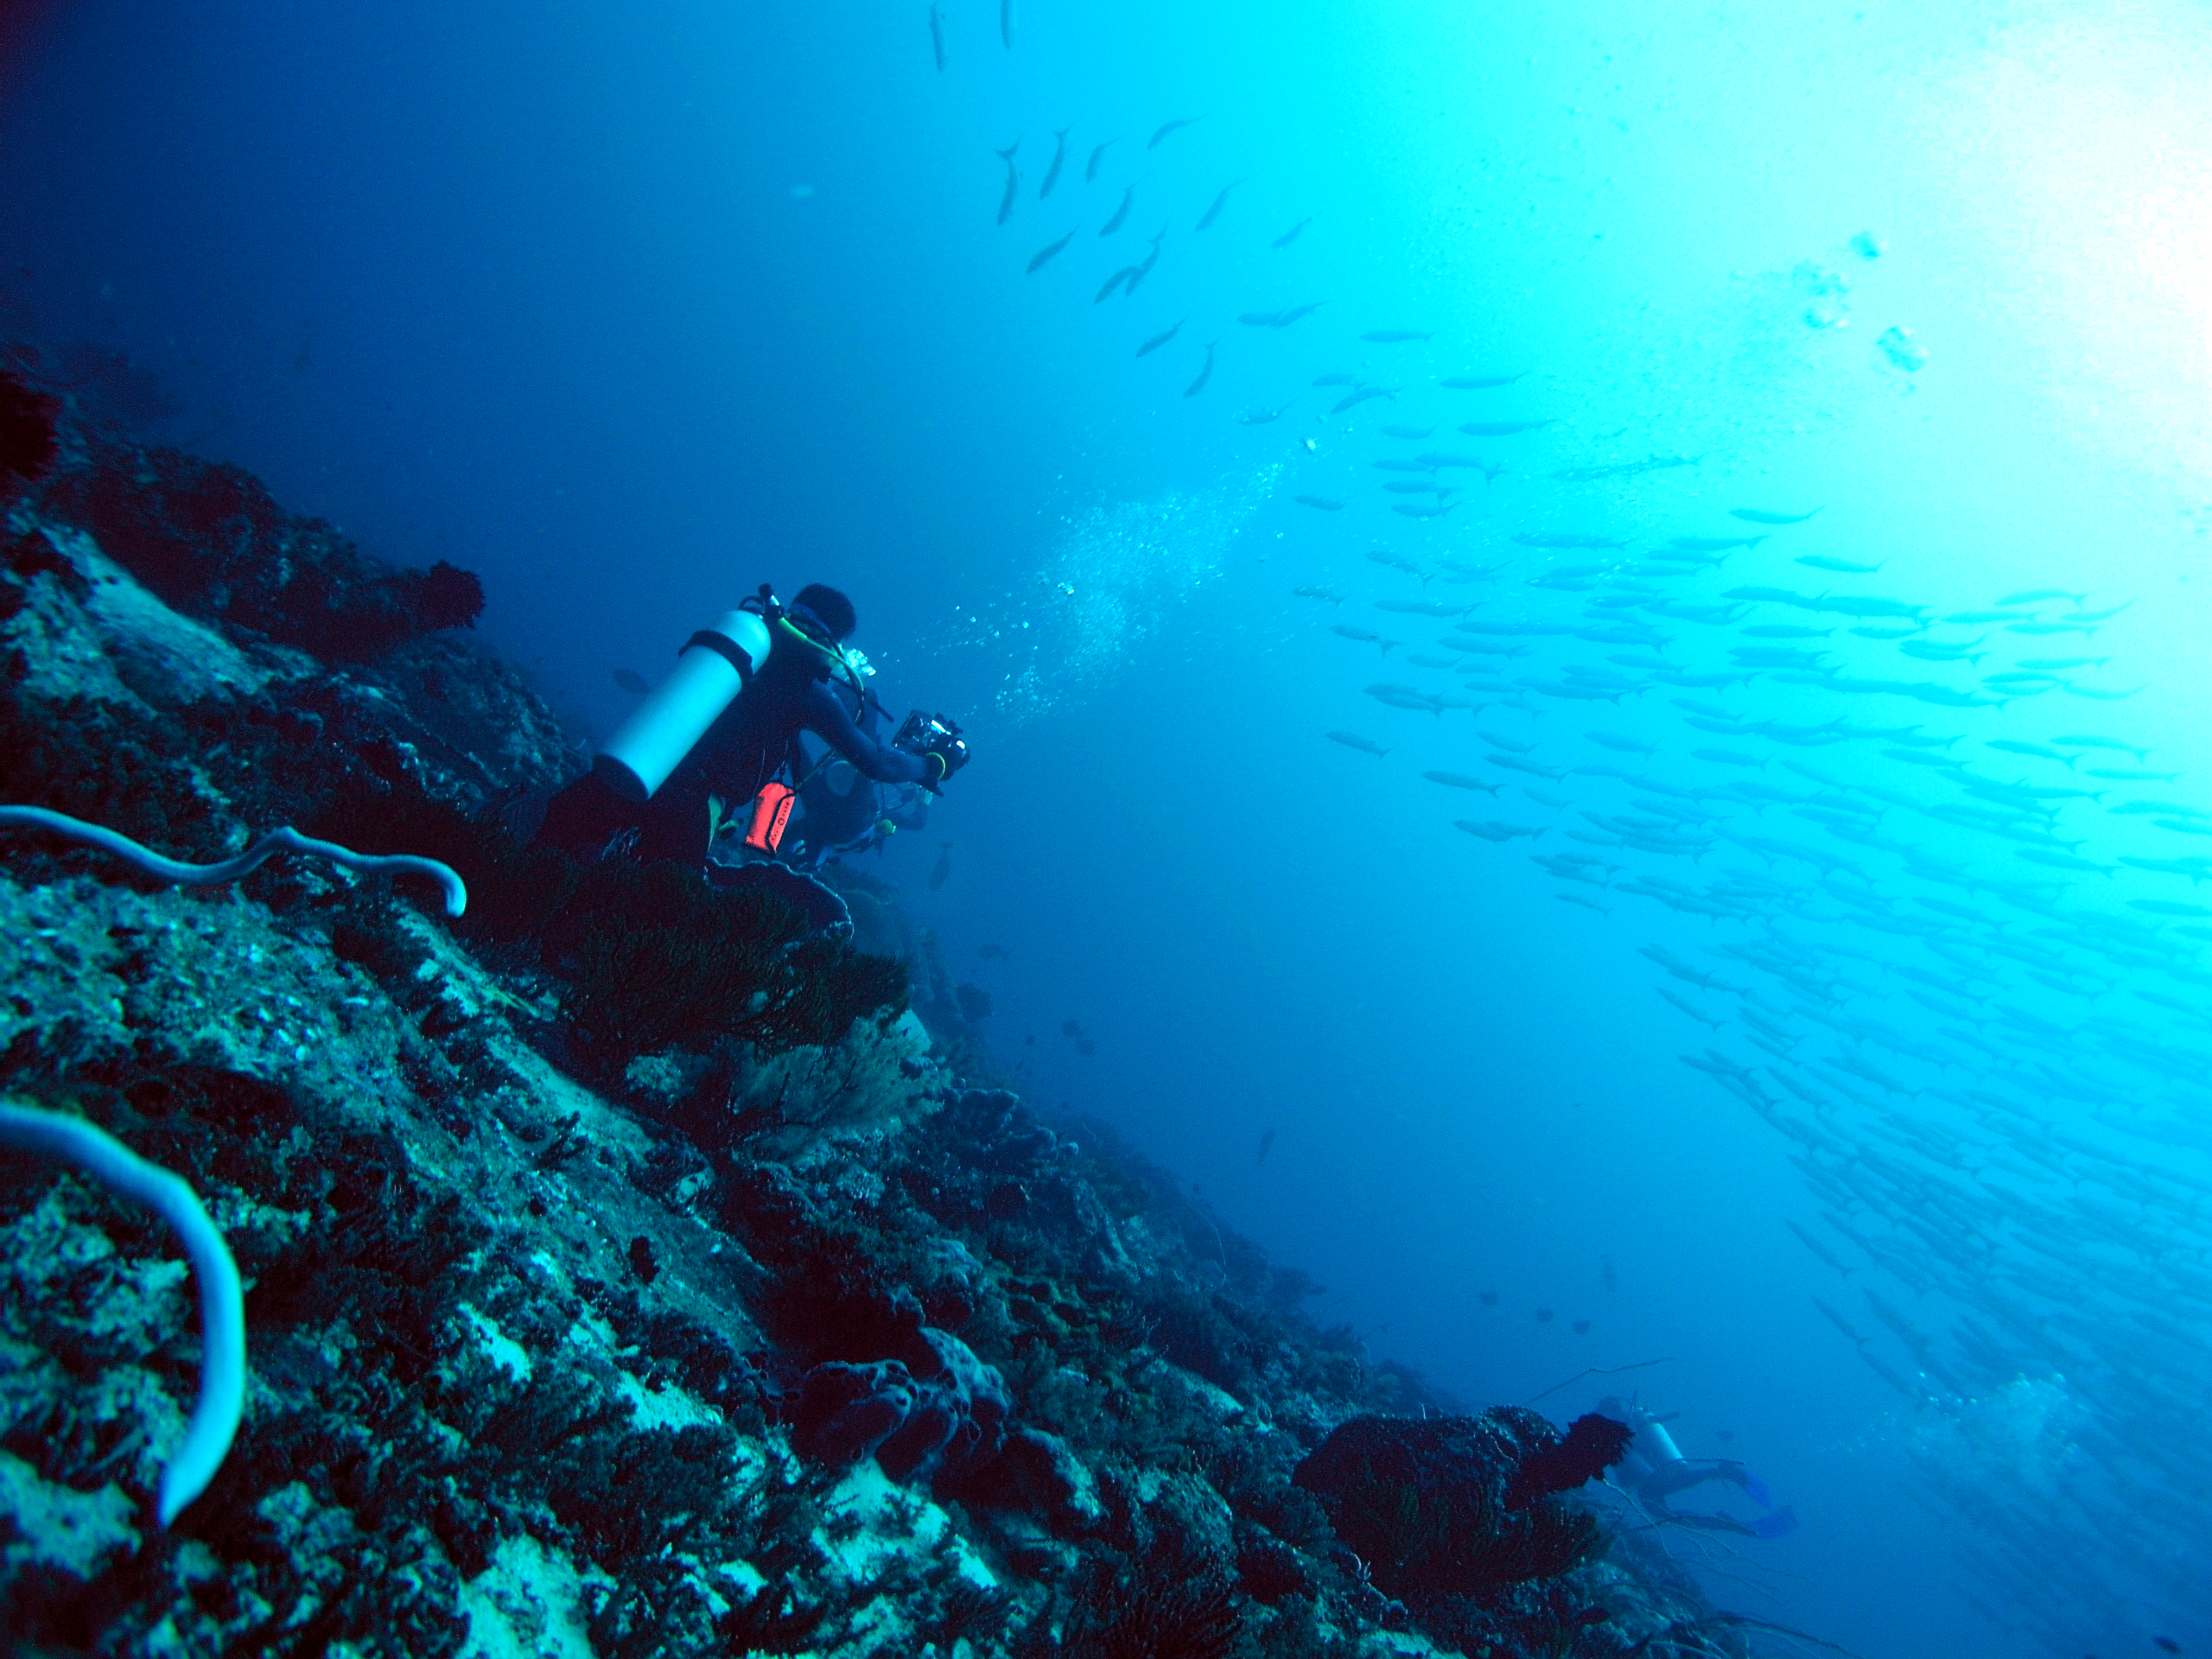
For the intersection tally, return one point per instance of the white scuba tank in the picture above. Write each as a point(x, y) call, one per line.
point(709, 672)
point(1654, 1443)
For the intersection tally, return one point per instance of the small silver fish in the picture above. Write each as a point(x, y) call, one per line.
point(1421, 607)
point(1050, 252)
point(1205, 374)
point(1140, 272)
point(1013, 182)
point(1492, 829)
point(1114, 223)
point(1359, 395)
point(1362, 636)
point(1206, 219)
point(1354, 741)
point(1059, 159)
point(1714, 543)
point(1624, 468)
point(1159, 341)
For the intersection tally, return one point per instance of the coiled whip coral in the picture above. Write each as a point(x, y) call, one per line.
point(222, 1304)
point(222, 1307)
point(286, 840)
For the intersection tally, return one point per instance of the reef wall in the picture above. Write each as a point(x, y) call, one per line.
point(629, 1270)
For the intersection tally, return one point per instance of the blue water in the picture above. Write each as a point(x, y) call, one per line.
point(631, 312)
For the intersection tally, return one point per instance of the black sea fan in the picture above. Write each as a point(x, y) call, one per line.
point(1197, 1619)
point(1593, 1444)
point(1270, 1571)
point(972, 1611)
point(26, 432)
point(445, 596)
point(775, 1620)
point(1172, 1604)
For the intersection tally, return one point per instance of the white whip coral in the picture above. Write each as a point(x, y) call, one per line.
point(222, 1304)
point(286, 840)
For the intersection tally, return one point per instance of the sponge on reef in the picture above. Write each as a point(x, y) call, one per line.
point(945, 1413)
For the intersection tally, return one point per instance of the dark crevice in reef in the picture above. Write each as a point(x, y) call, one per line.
point(628, 1270)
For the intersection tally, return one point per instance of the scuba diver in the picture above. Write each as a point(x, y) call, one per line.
point(1657, 1473)
point(721, 741)
point(842, 810)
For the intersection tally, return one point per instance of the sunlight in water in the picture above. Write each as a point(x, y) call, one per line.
point(2083, 151)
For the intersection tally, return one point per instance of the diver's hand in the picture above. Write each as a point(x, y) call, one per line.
point(943, 754)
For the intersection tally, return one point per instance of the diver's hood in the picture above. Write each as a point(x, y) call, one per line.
point(810, 624)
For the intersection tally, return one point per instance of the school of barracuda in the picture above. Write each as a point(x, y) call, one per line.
point(1956, 953)
point(1954, 958)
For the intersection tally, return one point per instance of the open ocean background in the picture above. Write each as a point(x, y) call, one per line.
point(631, 309)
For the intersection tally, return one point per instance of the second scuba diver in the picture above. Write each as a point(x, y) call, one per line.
point(720, 739)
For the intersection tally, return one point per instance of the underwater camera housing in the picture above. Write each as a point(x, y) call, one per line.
point(713, 666)
point(936, 734)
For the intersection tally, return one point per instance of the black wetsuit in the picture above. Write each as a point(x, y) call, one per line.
point(756, 738)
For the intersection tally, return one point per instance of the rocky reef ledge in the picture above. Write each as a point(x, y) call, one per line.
point(628, 1270)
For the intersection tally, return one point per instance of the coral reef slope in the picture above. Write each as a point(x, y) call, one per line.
point(626, 1272)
